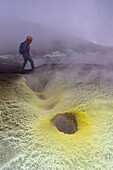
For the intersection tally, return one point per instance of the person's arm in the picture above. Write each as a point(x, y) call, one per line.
point(26, 48)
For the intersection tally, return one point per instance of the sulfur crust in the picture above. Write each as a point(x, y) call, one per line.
point(86, 132)
point(30, 141)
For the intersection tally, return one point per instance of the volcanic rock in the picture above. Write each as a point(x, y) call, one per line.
point(65, 123)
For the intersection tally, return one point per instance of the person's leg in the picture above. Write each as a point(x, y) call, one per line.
point(31, 61)
point(24, 64)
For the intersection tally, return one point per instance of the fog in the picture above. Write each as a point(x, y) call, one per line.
point(46, 20)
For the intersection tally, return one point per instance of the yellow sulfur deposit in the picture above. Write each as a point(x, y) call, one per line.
point(29, 140)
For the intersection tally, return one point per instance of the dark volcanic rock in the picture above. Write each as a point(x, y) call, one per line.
point(65, 123)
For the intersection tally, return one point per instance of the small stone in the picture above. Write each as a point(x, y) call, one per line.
point(65, 123)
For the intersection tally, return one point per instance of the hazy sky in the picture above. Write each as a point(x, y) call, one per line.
point(89, 19)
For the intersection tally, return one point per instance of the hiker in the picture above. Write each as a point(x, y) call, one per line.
point(24, 49)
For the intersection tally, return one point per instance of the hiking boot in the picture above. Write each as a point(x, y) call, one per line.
point(22, 72)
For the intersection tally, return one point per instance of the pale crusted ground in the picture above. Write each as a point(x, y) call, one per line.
point(28, 139)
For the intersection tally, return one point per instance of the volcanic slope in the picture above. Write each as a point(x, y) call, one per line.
point(28, 138)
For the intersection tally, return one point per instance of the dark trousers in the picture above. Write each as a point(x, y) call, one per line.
point(27, 58)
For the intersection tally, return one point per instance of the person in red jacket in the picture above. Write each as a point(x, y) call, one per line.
point(26, 53)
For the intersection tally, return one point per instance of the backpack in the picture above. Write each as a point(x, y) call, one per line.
point(21, 50)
